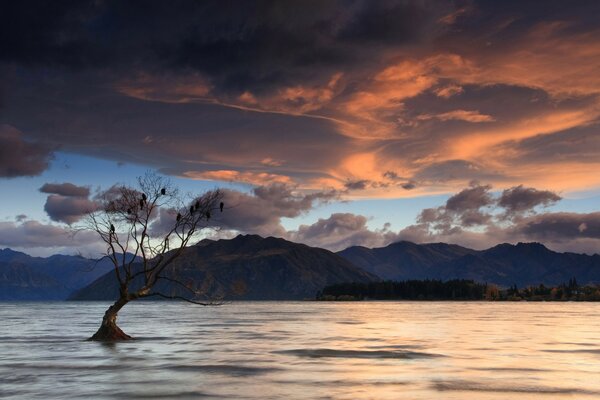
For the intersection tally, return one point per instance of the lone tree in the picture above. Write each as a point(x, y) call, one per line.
point(142, 246)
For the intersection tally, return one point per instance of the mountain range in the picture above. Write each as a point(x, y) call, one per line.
point(250, 267)
point(247, 267)
point(522, 264)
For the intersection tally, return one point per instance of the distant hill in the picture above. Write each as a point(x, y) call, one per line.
point(23, 277)
point(506, 264)
point(248, 267)
point(404, 260)
point(21, 282)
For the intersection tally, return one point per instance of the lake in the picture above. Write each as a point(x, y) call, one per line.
point(303, 350)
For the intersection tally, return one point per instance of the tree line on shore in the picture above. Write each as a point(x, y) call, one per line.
point(457, 289)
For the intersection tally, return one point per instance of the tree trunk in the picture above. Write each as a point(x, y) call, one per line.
point(109, 331)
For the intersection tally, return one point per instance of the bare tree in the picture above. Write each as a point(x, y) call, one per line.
point(141, 251)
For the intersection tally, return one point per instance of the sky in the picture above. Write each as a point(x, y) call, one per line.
point(331, 123)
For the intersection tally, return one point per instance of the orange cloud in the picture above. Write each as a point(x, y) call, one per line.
point(165, 88)
point(459, 115)
point(255, 178)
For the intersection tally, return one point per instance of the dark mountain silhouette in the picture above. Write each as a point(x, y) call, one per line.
point(403, 260)
point(505, 264)
point(23, 277)
point(247, 267)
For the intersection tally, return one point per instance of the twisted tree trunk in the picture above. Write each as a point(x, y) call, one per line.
point(109, 331)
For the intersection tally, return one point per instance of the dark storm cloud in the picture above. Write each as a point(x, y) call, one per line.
point(65, 189)
point(267, 91)
point(19, 157)
point(241, 45)
point(178, 137)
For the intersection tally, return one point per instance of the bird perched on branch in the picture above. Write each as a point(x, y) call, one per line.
point(112, 228)
point(178, 217)
point(163, 191)
point(221, 206)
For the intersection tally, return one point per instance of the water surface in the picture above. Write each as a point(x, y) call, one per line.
point(304, 350)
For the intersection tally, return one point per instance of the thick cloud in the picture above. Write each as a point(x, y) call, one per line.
point(240, 45)
point(342, 230)
point(19, 157)
point(68, 209)
point(318, 94)
point(472, 198)
point(67, 202)
point(560, 226)
point(261, 210)
point(520, 199)
point(476, 218)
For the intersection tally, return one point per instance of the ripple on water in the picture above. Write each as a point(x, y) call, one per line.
point(231, 370)
point(375, 354)
point(472, 386)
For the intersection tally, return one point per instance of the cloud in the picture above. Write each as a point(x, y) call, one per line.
point(33, 234)
point(68, 209)
point(473, 198)
point(260, 211)
point(439, 92)
point(559, 226)
point(19, 157)
point(342, 230)
point(255, 178)
point(67, 202)
point(477, 218)
point(459, 115)
point(65, 189)
point(448, 91)
point(520, 199)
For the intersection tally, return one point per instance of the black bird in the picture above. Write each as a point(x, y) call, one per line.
point(221, 206)
point(129, 211)
point(178, 217)
point(144, 196)
point(207, 215)
point(163, 191)
point(112, 228)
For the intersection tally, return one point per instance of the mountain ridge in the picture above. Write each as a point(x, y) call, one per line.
point(247, 267)
point(504, 264)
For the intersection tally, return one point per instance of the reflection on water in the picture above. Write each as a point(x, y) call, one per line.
point(304, 350)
